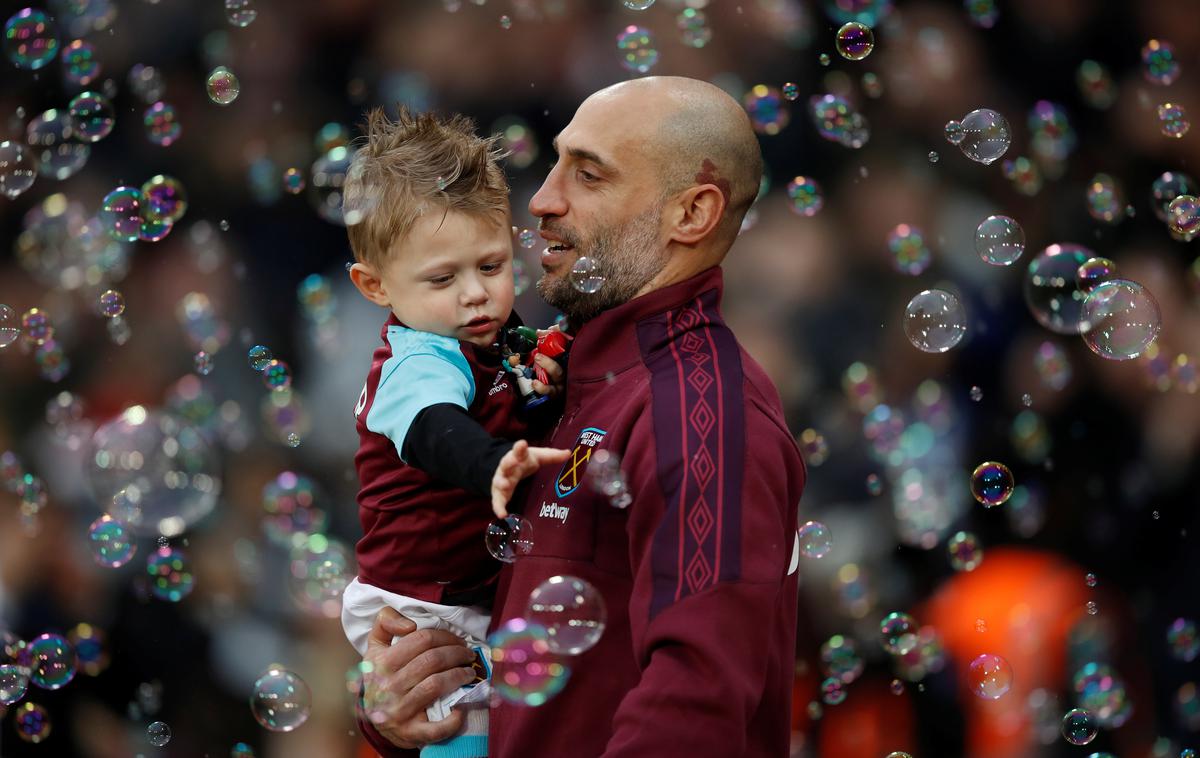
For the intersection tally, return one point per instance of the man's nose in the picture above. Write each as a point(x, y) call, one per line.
point(549, 200)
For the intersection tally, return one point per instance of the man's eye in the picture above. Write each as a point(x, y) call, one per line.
point(587, 176)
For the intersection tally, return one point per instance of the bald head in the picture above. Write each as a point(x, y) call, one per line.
point(693, 133)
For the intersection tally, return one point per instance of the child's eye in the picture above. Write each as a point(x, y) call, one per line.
point(491, 267)
point(441, 279)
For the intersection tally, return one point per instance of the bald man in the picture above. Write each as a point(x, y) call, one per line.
point(697, 570)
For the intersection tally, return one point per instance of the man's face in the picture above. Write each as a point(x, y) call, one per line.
point(601, 200)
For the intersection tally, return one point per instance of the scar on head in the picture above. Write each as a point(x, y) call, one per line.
point(708, 175)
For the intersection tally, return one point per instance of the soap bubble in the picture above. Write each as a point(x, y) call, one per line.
point(223, 86)
point(18, 168)
point(162, 124)
point(241, 13)
point(837, 121)
point(898, 632)
point(1096, 84)
point(158, 734)
point(111, 543)
point(764, 105)
point(790, 90)
point(290, 506)
point(121, 213)
point(163, 199)
point(983, 13)
point(170, 573)
point(316, 298)
point(572, 612)
point(587, 276)
point(1051, 133)
point(242, 750)
point(934, 321)
point(277, 375)
point(146, 82)
point(805, 196)
point(14, 682)
point(813, 447)
point(1078, 728)
point(815, 539)
point(855, 41)
point(637, 50)
point(1159, 64)
point(990, 676)
point(604, 474)
point(965, 552)
point(112, 303)
point(327, 177)
point(259, 356)
point(933, 156)
point(37, 327)
point(955, 133)
point(51, 139)
point(1183, 216)
point(1122, 319)
point(999, 240)
point(1101, 691)
point(1105, 200)
point(509, 537)
point(992, 483)
point(161, 461)
point(1051, 289)
point(693, 27)
point(80, 65)
point(840, 659)
point(1173, 121)
point(32, 722)
point(91, 651)
point(986, 135)
point(92, 116)
point(1182, 640)
point(293, 181)
point(321, 568)
point(910, 255)
point(638, 5)
point(833, 691)
point(52, 662)
point(203, 363)
point(1051, 363)
point(1094, 271)
point(280, 700)
point(30, 38)
point(526, 670)
point(1167, 187)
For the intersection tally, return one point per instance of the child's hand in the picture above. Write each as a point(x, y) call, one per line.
point(554, 376)
point(517, 464)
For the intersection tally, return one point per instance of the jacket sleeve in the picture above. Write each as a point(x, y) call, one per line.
point(711, 533)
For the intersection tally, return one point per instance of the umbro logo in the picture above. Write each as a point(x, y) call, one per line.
point(554, 510)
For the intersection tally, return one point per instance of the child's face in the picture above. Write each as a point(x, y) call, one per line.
point(450, 273)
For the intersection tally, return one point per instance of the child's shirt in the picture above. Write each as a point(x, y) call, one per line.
point(422, 536)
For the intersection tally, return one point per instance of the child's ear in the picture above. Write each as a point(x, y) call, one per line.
point(368, 282)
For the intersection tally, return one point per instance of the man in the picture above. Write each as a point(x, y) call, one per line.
point(653, 179)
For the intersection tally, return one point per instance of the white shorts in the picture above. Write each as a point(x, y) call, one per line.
point(362, 602)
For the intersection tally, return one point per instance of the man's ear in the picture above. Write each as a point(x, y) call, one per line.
point(698, 211)
point(368, 282)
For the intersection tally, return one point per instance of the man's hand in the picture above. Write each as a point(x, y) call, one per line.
point(517, 464)
point(401, 680)
point(554, 376)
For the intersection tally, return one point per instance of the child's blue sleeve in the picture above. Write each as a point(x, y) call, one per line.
point(425, 369)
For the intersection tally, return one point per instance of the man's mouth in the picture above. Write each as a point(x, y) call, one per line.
point(555, 253)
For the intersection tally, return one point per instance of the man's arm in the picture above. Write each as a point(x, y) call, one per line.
point(710, 559)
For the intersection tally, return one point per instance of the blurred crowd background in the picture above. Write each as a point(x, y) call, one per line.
point(1091, 561)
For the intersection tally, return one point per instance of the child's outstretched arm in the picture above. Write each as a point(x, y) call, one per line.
point(518, 463)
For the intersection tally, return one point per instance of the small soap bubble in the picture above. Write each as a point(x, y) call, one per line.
point(293, 439)
point(837, 121)
point(1172, 118)
point(18, 168)
point(955, 133)
point(1183, 642)
point(1159, 64)
point(1122, 319)
point(1105, 199)
point(1167, 187)
point(91, 650)
point(909, 253)
point(1092, 608)
point(765, 106)
point(636, 49)
point(170, 574)
point(1078, 727)
point(111, 543)
point(1052, 365)
point(241, 13)
point(833, 691)
point(37, 327)
point(30, 38)
point(280, 700)
point(965, 552)
point(147, 83)
point(203, 363)
point(986, 136)
point(992, 483)
point(223, 86)
point(14, 682)
point(527, 238)
point(813, 447)
point(163, 199)
point(933, 156)
point(162, 124)
point(52, 661)
point(586, 276)
point(791, 91)
point(32, 722)
point(840, 659)
point(1096, 84)
point(1094, 271)
point(855, 41)
point(293, 181)
point(121, 213)
point(983, 13)
point(872, 85)
point(277, 375)
point(80, 64)
point(509, 537)
point(990, 676)
point(638, 5)
point(897, 687)
point(158, 734)
point(999, 240)
point(259, 356)
point(92, 116)
point(805, 196)
point(242, 750)
point(505, 22)
point(816, 541)
point(527, 672)
point(976, 393)
point(572, 612)
point(934, 321)
point(1183, 216)
point(874, 485)
point(824, 59)
point(898, 632)
point(1090, 580)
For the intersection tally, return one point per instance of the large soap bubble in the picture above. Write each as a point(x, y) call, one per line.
point(1052, 289)
point(1122, 319)
point(162, 460)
